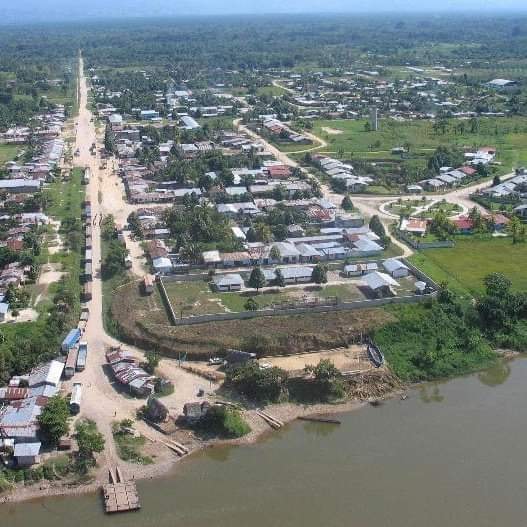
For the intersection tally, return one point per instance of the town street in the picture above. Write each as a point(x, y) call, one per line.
point(103, 401)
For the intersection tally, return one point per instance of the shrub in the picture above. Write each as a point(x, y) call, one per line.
point(224, 422)
point(268, 385)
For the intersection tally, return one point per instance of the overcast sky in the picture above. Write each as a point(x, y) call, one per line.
point(32, 10)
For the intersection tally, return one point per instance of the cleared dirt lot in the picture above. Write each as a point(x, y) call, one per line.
point(345, 359)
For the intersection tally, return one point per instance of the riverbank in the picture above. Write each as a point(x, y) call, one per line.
point(260, 430)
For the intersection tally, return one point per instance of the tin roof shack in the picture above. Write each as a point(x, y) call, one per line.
point(46, 375)
point(129, 373)
point(27, 454)
point(195, 411)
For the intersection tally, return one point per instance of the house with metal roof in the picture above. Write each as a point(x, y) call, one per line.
point(381, 284)
point(360, 269)
point(297, 275)
point(365, 247)
point(49, 373)
point(396, 268)
point(162, 265)
point(228, 282)
point(27, 454)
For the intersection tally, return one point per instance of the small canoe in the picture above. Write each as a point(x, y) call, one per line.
point(375, 355)
point(326, 420)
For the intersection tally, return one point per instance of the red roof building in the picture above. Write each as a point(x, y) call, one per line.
point(469, 171)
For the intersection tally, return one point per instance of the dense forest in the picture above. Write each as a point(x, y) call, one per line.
point(272, 42)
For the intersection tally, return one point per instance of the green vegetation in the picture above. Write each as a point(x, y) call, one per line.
point(320, 274)
point(507, 136)
point(431, 341)
point(225, 422)
point(465, 265)
point(8, 153)
point(55, 468)
point(453, 336)
point(129, 446)
point(90, 442)
point(256, 279)
point(54, 420)
point(262, 385)
point(24, 345)
point(327, 383)
point(198, 228)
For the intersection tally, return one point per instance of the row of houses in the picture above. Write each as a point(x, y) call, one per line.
point(21, 403)
point(342, 174)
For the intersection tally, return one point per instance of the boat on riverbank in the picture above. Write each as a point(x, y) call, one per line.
point(375, 355)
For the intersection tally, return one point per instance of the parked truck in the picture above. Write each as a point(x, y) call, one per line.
point(71, 340)
point(82, 356)
point(75, 399)
point(71, 363)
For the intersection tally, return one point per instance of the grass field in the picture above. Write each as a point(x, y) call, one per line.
point(196, 298)
point(274, 91)
point(508, 135)
point(465, 265)
point(8, 153)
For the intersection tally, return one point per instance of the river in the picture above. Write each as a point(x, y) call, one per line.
point(450, 455)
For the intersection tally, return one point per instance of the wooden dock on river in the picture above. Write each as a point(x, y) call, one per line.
point(120, 496)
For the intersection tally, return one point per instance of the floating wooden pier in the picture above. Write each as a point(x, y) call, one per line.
point(120, 496)
point(315, 419)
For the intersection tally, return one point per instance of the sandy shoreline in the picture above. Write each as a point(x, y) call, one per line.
point(286, 412)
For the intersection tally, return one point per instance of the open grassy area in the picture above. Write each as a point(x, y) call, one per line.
point(196, 298)
point(8, 153)
point(508, 135)
point(274, 91)
point(465, 265)
point(130, 447)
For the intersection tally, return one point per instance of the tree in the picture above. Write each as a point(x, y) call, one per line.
point(319, 274)
point(517, 230)
point(114, 263)
point(441, 226)
point(53, 419)
point(90, 442)
point(257, 279)
point(378, 228)
point(251, 235)
point(328, 378)
point(347, 204)
point(274, 253)
point(279, 280)
point(263, 232)
point(251, 304)
point(152, 361)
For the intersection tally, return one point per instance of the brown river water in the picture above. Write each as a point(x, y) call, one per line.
point(450, 455)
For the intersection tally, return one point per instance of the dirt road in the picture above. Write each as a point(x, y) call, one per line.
point(103, 400)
